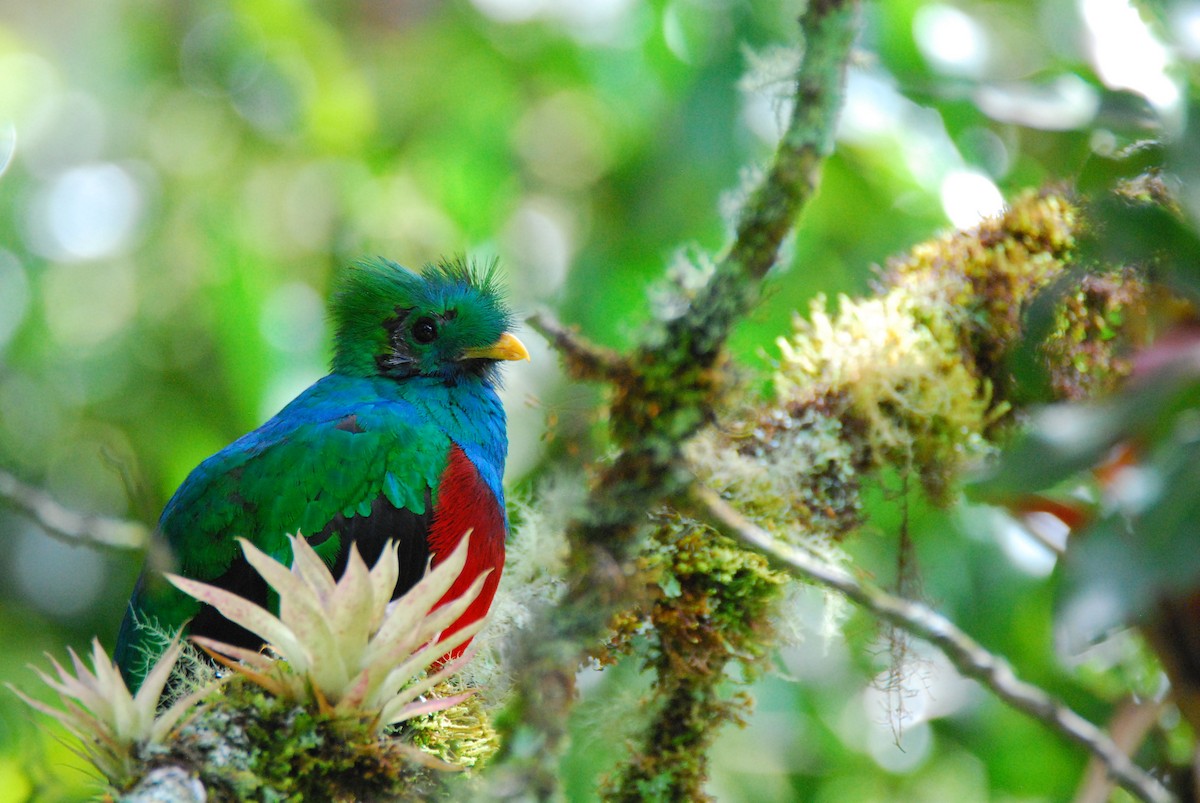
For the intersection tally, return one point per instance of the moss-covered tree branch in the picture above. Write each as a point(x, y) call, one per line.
point(907, 380)
point(967, 655)
point(667, 390)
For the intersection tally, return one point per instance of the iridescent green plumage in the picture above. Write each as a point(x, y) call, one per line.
point(359, 456)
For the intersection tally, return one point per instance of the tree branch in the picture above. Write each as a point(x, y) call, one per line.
point(584, 359)
point(668, 393)
point(829, 27)
point(1134, 719)
point(967, 655)
point(70, 525)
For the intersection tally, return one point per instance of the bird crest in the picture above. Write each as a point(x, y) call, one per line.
point(446, 320)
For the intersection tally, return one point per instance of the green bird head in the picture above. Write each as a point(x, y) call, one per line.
point(447, 322)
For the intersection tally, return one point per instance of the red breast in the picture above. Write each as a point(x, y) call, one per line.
point(465, 502)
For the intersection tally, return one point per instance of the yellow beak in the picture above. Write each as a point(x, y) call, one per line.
point(508, 347)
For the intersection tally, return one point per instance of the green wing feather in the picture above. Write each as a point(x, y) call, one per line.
point(334, 450)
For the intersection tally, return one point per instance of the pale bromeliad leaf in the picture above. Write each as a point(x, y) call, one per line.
point(109, 721)
point(345, 643)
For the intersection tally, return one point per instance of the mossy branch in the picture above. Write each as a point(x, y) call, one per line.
point(583, 360)
point(828, 28)
point(967, 655)
point(664, 392)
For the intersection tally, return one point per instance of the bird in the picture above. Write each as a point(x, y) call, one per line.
point(403, 441)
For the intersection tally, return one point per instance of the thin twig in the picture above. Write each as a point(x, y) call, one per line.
point(1133, 720)
point(584, 359)
point(70, 525)
point(967, 655)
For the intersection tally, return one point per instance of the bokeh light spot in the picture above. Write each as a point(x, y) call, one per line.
point(873, 106)
point(968, 197)
point(562, 140)
point(510, 11)
point(87, 212)
point(65, 130)
point(293, 319)
point(8, 145)
point(1126, 53)
point(28, 81)
point(538, 237)
point(950, 40)
point(1185, 28)
point(591, 21)
point(88, 303)
point(190, 134)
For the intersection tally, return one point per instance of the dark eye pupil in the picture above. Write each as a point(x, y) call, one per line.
point(424, 330)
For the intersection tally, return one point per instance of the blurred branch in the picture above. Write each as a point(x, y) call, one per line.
point(1133, 720)
point(967, 655)
point(70, 525)
point(667, 390)
point(584, 360)
point(828, 28)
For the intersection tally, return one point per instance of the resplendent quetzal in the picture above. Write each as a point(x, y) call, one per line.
point(404, 440)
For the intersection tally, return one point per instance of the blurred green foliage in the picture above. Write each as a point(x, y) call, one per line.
point(178, 180)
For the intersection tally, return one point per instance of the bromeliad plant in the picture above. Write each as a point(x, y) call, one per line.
point(344, 644)
point(112, 724)
point(344, 661)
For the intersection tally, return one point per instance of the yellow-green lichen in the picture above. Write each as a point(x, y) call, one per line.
point(897, 362)
point(1096, 326)
point(461, 735)
point(989, 273)
point(710, 602)
point(916, 366)
point(712, 607)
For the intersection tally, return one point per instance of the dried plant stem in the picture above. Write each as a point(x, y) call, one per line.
point(967, 655)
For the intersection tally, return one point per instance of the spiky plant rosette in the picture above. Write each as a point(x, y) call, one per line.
point(109, 721)
point(345, 644)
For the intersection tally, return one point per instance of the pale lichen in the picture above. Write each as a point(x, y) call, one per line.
point(896, 361)
point(794, 471)
point(461, 735)
point(251, 745)
point(534, 568)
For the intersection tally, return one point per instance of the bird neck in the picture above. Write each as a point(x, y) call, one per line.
point(470, 412)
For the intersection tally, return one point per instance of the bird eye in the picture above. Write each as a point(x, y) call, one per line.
point(424, 330)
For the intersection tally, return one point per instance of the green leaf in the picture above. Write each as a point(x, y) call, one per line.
point(1062, 441)
point(1144, 549)
point(1147, 235)
point(1066, 439)
point(1101, 173)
